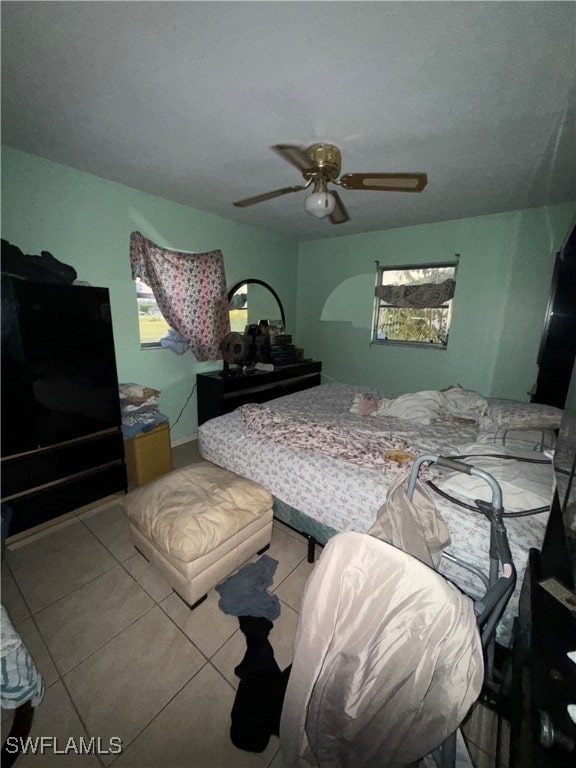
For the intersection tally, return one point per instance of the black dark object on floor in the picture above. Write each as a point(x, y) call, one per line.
point(258, 703)
point(20, 730)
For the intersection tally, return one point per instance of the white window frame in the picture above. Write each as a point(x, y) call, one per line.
point(381, 306)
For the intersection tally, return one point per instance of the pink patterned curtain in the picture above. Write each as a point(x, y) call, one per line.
point(190, 290)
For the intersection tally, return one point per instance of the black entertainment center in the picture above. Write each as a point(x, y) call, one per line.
point(62, 444)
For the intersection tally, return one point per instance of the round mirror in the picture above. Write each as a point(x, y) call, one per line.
point(252, 301)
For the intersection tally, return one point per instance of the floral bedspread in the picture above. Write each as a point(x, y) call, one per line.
point(345, 495)
point(380, 451)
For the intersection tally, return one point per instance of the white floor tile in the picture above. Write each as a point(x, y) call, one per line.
point(207, 626)
point(117, 539)
point(193, 731)
point(57, 718)
point(13, 600)
point(121, 687)
point(102, 516)
point(55, 575)
point(159, 676)
point(290, 531)
point(80, 623)
point(288, 551)
point(148, 576)
point(291, 590)
point(38, 650)
point(45, 542)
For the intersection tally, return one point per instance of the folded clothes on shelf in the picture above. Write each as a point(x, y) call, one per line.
point(140, 409)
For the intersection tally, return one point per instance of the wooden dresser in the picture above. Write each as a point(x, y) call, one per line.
point(218, 394)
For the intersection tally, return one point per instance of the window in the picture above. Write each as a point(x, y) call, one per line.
point(239, 309)
point(413, 304)
point(153, 326)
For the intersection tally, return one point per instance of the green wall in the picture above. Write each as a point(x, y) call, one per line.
point(86, 221)
point(326, 286)
point(503, 282)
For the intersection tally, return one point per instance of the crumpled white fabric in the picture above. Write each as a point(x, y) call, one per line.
point(524, 484)
point(421, 407)
point(387, 660)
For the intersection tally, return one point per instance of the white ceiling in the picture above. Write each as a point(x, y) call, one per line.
point(184, 99)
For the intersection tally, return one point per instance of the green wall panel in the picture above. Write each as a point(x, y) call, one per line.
point(326, 285)
point(86, 221)
point(503, 282)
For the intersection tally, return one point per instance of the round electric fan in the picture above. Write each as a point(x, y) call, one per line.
point(234, 348)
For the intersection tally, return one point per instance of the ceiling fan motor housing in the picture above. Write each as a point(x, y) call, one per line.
point(325, 158)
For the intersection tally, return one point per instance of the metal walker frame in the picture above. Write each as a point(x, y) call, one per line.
point(499, 584)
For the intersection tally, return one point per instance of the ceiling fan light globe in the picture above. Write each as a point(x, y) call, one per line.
point(320, 204)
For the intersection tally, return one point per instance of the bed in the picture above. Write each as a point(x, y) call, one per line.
point(330, 476)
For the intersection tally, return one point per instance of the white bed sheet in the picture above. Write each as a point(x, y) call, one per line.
point(346, 496)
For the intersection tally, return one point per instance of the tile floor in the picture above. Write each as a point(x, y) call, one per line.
point(122, 655)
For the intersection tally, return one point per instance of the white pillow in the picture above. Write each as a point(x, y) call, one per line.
point(524, 485)
point(508, 414)
point(465, 403)
point(420, 407)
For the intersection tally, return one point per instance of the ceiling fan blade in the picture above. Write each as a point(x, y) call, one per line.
point(386, 182)
point(267, 196)
point(294, 155)
point(339, 215)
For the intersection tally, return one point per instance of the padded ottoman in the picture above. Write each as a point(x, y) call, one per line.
point(198, 525)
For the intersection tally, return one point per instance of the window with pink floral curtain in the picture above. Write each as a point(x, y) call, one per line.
point(190, 290)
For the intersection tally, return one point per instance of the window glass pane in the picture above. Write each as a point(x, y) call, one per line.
point(239, 314)
point(416, 324)
point(152, 324)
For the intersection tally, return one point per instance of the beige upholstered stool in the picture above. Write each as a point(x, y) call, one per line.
point(198, 525)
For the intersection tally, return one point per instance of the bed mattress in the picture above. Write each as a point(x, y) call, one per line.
point(346, 496)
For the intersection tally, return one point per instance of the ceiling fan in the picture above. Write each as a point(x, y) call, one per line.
point(320, 164)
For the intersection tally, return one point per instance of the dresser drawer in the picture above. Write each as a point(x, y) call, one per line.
point(46, 466)
point(48, 503)
point(218, 394)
